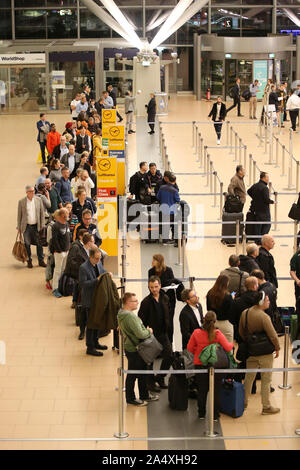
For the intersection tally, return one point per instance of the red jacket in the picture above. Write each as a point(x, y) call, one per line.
point(53, 139)
point(199, 340)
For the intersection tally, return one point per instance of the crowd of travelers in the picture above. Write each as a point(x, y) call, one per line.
point(59, 212)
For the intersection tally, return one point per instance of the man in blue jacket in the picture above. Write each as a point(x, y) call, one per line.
point(89, 273)
point(63, 186)
point(43, 128)
point(169, 199)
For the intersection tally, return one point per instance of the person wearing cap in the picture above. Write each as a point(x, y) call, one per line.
point(255, 320)
point(70, 128)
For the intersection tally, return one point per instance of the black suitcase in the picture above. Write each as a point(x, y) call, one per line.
point(178, 387)
point(250, 229)
point(149, 228)
point(229, 230)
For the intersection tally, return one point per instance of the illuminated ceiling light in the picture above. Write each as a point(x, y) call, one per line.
point(107, 19)
point(158, 22)
point(188, 14)
point(291, 15)
point(175, 14)
point(118, 15)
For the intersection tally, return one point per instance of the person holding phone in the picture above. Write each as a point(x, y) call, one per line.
point(218, 114)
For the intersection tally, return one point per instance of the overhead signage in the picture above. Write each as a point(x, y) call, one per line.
point(21, 59)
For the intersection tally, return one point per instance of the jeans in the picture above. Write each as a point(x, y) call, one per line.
point(43, 148)
point(135, 362)
point(236, 102)
point(202, 382)
point(218, 129)
point(31, 236)
point(60, 264)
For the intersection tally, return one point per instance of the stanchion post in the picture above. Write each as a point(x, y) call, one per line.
point(245, 156)
point(277, 153)
point(291, 142)
point(254, 171)
point(215, 189)
point(244, 240)
point(191, 282)
point(297, 176)
point(283, 161)
point(183, 254)
point(260, 137)
point(121, 434)
point(196, 139)
point(211, 377)
point(231, 140)
point(275, 210)
point(208, 166)
point(194, 129)
point(295, 235)
point(201, 153)
point(240, 150)
point(285, 385)
point(250, 169)
point(211, 171)
point(235, 146)
point(237, 236)
point(205, 159)
point(266, 133)
point(227, 132)
point(221, 200)
point(179, 263)
point(271, 143)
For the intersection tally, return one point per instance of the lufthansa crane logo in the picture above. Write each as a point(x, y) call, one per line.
point(104, 165)
point(114, 131)
point(107, 114)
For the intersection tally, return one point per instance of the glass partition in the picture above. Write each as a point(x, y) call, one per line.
point(69, 72)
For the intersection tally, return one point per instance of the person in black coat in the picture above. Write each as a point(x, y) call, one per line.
point(239, 304)
point(219, 300)
point(113, 95)
point(89, 273)
point(236, 97)
point(154, 180)
point(191, 316)
point(248, 263)
point(77, 255)
point(139, 184)
point(269, 289)
point(155, 312)
point(167, 278)
point(273, 98)
point(259, 192)
point(266, 261)
point(151, 111)
point(218, 114)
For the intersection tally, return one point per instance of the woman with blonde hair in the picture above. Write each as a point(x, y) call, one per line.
point(166, 275)
point(200, 339)
point(219, 300)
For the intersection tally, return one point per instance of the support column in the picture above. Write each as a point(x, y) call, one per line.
point(274, 17)
point(297, 57)
point(197, 65)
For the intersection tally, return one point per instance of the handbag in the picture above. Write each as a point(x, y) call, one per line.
point(19, 250)
point(148, 349)
point(294, 213)
point(43, 237)
point(258, 343)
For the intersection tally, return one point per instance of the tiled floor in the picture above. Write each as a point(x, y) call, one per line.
point(49, 387)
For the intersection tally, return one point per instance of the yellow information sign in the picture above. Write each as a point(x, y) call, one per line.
point(106, 177)
point(108, 225)
point(109, 116)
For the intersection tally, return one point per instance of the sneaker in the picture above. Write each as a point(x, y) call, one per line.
point(168, 242)
point(245, 406)
point(270, 411)
point(73, 305)
point(272, 389)
point(218, 142)
point(48, 286)
point(161, 383)
point(29, 264)
point(152, 398)
point(153, 388)
point(201, 416)
point(137, 402)
point(57, 294)
point(42, 264)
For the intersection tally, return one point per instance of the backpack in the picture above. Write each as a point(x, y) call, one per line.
point(65, 285)
point(246, 94)
point(231, 92)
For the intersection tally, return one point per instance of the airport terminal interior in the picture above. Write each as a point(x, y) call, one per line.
point(53, 396)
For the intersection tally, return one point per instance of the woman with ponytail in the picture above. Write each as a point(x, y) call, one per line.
point(201, 338)
point(219, 300)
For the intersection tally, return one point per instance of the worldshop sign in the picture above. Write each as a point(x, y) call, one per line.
point(19, 59)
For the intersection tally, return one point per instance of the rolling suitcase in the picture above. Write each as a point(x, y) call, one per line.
point(250, 228)
point(178, 388)
point(294, 327)
point(232, 398)
point(229, 230)
point(233, 204)
point(149, 228)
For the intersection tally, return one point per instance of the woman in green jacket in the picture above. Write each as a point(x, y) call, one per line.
point(134, 331)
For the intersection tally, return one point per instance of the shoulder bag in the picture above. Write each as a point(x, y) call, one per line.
point(294, 213)
point(148, 348)
point(258, 343)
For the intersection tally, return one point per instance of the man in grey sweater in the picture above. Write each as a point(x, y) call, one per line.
point(134, 331)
